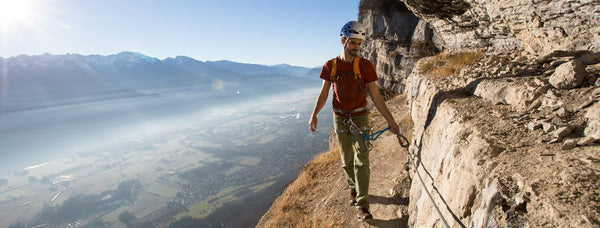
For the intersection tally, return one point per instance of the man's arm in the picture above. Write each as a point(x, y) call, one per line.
point(321, 100)
point(380, 104)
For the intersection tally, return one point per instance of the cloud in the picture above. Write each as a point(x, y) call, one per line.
point(217, 84)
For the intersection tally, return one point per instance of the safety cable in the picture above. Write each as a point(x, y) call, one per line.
point(427, 191)
point(404, 143)
point(415, 162)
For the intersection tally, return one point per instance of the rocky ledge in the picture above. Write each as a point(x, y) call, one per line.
point(506, 146)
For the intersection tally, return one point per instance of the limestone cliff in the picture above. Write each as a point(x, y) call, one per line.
point(506, 118)
point(397, 40)
point(539, 27)
point(503, 115)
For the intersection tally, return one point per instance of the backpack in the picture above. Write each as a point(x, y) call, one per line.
point(334, 76)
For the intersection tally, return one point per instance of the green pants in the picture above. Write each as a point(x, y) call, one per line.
point(354, 155)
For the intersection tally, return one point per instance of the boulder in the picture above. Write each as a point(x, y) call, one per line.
point(593, 69)
point(534, 125)
point(593, 127)
point(586, 141)
point(547, 126)
point(568, 75)
point(561, 132)
point(569, 144)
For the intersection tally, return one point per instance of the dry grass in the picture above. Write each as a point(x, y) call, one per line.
point(290, 209)
point(445, 64)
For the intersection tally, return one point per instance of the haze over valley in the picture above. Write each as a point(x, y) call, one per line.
point(131, 140)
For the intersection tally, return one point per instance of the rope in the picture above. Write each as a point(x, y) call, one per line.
point(375, 135)
point(403, 141)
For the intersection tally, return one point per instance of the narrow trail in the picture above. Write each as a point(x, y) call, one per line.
point(326, 202)
point(387, 160)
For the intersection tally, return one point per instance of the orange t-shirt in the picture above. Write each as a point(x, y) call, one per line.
point(347, 95)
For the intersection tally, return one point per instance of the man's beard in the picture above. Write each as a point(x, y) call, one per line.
point(352, 52)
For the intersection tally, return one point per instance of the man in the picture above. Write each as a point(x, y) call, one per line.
point(350, 111)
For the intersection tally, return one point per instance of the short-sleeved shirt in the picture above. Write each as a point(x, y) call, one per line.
point(347, 95)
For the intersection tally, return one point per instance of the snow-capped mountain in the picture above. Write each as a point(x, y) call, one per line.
point(45, 80)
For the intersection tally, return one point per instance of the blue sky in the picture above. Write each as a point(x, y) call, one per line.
point(303, 33)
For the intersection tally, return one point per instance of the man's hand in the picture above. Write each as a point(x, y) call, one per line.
point(380, 104)
point(394, 127)
point(312, 124)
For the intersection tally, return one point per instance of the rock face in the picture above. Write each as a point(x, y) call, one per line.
point(509, 139)
point(399, 34)
point(396, 40)
point(539, 27)
point(488, 144)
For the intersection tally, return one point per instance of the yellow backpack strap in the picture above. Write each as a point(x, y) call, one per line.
point(333, 69)
point(355, 64)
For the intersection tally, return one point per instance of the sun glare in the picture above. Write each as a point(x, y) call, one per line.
point(13, 11)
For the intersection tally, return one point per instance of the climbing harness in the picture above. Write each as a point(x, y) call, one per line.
point(355, 111)
point(356, 131)
point(352, 127)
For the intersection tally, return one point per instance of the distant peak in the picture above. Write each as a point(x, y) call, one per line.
point(181, 60)
point(133, 56)
point(282, 65)
point(182, 57)
point(136, 54)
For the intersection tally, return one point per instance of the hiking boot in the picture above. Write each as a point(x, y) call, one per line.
point(363, 214)
point(352, 197)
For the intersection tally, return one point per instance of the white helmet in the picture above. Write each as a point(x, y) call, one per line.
point(353, 29)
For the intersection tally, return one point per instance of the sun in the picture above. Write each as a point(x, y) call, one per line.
point(14, 11)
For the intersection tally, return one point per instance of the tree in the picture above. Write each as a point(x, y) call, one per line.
point(128, 190)
point(127, 218)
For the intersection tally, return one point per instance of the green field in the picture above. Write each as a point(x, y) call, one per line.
point(260, 187)
point(203, 143)
point(207, 206)
point(113, 216)
point(248, 160)
point(234, 169)
point(163, 190)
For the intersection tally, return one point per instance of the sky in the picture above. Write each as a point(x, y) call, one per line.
point(301, 33)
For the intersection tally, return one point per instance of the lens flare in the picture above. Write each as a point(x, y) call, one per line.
point(12, 12)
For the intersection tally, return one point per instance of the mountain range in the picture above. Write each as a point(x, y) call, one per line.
point(46, 80)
